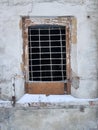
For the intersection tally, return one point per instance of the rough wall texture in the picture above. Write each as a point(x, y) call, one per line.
point(84, 54)
point(84, 65)
point(50, 119)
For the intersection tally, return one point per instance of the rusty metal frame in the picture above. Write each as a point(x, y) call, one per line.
point(31, 21)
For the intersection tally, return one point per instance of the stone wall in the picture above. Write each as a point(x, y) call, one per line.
point(84, 54)
point(84, 66)
point(68, 117)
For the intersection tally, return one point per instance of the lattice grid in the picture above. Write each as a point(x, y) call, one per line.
point(47, 53)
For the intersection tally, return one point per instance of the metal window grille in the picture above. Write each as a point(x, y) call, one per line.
point(47, 53)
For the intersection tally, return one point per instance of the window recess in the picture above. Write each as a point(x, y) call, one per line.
point(46, 56)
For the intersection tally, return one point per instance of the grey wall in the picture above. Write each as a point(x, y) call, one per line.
point(84, 65)
point(83, 54)
point(49, 119)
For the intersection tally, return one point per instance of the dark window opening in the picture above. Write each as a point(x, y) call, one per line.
point(47, 53)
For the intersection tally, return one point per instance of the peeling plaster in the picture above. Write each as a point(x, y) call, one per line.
point(83, 49)
point(82, 114)
point(75, 80)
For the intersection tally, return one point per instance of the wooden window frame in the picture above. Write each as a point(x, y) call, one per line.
point(31, 21)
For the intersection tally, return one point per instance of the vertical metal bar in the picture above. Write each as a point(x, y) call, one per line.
point(61, 54)
point(30, 48)
point(40, 55)
point(50, 55)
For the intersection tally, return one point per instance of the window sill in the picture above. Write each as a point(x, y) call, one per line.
point(55, 101)
point(52, 101)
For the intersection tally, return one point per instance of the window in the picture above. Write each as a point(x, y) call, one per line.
point(46, 55)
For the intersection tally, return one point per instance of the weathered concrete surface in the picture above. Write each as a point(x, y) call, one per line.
point(84, 54)
point(50, 119)
point(73, 115)
point(84, 65)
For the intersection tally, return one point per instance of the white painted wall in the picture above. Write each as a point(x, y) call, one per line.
point(83, 54)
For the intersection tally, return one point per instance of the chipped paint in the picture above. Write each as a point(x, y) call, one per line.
point(74, 30)
point(83, 39)
point(29, 21)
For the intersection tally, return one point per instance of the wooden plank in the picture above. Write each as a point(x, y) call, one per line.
point(45, 88)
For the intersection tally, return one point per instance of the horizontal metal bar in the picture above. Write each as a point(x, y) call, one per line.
point(34, 71)
point(64, 81)
point(49, 28)
point(47, 65)
point(48, 77)
point(48, 53)
point(46, 47)
point(47, 34)
point(47, 40)
point(48, 59)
